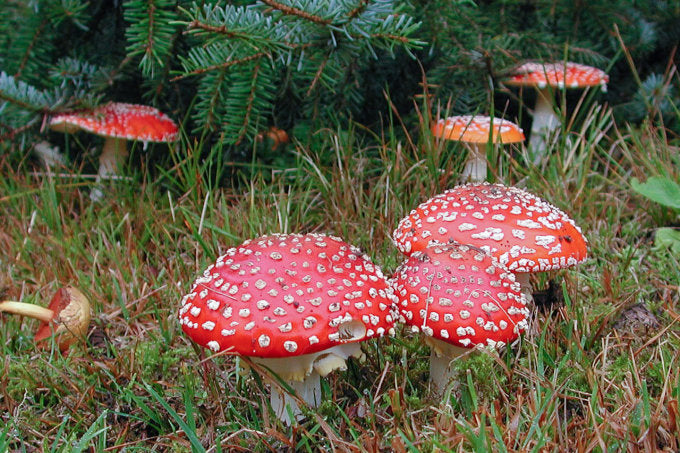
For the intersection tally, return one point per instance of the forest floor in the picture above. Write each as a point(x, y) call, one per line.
point(597, 371)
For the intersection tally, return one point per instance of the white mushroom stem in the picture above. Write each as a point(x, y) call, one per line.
point(441, 356)
point(24, 309)
point(475, 167)
point(284, 404)
point(525, 284)
point(112, 157)
point(302, 373)
point(545, 122)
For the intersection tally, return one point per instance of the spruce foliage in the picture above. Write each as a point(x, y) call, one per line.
point(230, 70)
point(247, 57)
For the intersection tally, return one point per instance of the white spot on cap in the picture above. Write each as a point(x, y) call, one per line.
point(263, 341)
point(214, 346)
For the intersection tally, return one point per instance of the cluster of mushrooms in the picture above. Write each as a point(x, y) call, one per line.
point(299, 305)
point(476, 131)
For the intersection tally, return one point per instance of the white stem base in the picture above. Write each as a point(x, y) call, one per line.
point(112, 157)
point(441, 356)
point(302, 372)
point(544, 125)
point(284, 405)
point(475, 167)
point(111, 160)
point(525, 284)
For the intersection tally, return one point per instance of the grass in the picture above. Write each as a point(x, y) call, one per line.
point(580, 380)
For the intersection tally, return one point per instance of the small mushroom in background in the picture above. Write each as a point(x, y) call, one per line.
point(546, 78)
point(295, 304)
point(524, 232)
point(67, 317)
point(117, 122)
point(459, 297)
point(475, 132)
point(277, 137)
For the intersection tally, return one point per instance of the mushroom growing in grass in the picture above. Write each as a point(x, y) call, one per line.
point(459, 297)
point(524, 232)
point(295, 304)
point(546, 78)
point(475, 132)
point(67, 317)
point(118, 122)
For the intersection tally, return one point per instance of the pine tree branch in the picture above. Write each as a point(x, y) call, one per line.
point(292, 11)
point(389, 37)
point(27, 54)
point(211, 112)
point(249, 108)
point(225, 65)
point(317, 76)
point(363, 4)
point(19, 103)
point(13, 132)
point(221, 30)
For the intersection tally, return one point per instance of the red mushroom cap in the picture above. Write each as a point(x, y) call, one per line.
point(286, 295)
point(570, 75)
point(475, 129)
point(460, 295)
point(119, 120)
point(524, 232)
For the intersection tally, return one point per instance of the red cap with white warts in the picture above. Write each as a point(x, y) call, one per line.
point(461, 296)
point(475, 129)
point(119, 120)
point(524, 232)
point(569, 75)
point(286, 295)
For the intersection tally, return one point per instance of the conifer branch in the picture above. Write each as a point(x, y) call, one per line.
point(363, 4)
point(225, 65)
point(317, 76)
point(389, 37)
point(292, 11)
point(29, 49)
point(220, 30)
point(249, 104)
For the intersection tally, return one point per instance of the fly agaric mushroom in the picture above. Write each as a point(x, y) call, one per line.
point(459, 297)
point(524, 232)
point(546, 78)
point(118, 122)
point(296, 304)
point(476, 132)
point(67, 317)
